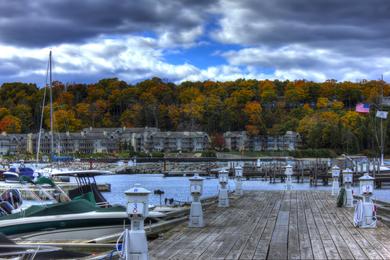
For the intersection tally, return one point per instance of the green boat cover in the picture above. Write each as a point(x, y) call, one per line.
point(45, 180)
point(41, 180)
point(86, 196)
point(71, 207)
point(25, 179)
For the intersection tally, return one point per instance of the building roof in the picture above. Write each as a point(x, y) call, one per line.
point(172, 134)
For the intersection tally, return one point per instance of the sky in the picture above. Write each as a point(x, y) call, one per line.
point(180, 40)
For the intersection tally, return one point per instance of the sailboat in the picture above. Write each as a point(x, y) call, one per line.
point(17, 171)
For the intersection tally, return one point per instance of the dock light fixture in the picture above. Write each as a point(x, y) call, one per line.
point(135, 245)
point(365, 212)
point(223, 198)
point(196, 212)
point(335, 178)
point(258, 163)
point(238, 172)
point(288, 172)
point(347, 181)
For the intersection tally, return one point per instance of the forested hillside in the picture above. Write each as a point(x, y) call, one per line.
point(323, 113)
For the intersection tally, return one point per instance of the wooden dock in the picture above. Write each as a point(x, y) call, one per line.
point(275, 225)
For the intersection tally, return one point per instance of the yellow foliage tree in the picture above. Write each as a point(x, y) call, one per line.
point(330, 117)
point(267, 91)
point(64, 120)
point(322, 102)
point(174, 115)
point(337, 105)
point(351, 120)
point(253, 111)
point(307, 109)
point(295, 91)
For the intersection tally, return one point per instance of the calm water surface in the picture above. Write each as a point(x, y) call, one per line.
point(178, 187)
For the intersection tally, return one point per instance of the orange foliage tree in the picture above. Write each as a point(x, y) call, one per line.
point(10, 124)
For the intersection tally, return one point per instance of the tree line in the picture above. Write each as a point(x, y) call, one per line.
point(322, 112)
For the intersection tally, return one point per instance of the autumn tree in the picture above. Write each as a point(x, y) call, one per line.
point(320, 130)
point(255, 123)
point(132, 117)
point(10, 124)
point(4, 112)
point(83, 114)
point(322, 103)
point(64, 120)
point(337, 105)
point(295, 91)
point(23, 112)
point(174, 116)
point(267, 91)
point(217, 141)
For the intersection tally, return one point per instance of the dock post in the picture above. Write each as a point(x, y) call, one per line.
point(347, 180)
point(335, 182)
point(135, 245)
point(196, 212)
point(288, 172)
point(365, 214)
point(238, 174)
point(223, 198)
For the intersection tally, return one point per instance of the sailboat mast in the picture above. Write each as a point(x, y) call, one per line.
point(382, 137)
point(51, 107)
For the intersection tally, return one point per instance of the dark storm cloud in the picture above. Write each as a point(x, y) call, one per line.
point(319, 22)
point(16, 65)
point(317, 39)
point(47, 22)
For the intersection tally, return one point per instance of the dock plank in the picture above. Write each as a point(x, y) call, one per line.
point(293, 237)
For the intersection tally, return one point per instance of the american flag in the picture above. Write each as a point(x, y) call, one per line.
point(363, 108)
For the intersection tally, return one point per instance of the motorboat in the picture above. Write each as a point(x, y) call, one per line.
point(16, 171)
point(85, 208)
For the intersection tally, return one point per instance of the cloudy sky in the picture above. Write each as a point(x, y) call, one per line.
point(180, 40)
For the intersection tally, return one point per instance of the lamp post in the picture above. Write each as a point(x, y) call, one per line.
point(134, 241)
point(365, 215)
point(288, 172)
point(347, 180)
point(196, 212)
point(335, 177)
point(223, 199)
point(238, 172)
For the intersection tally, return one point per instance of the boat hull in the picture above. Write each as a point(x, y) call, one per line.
point(93, 220)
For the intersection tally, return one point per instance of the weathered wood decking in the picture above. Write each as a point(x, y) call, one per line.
point(275, 225)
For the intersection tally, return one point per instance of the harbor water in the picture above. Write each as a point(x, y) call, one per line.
point(178, 187)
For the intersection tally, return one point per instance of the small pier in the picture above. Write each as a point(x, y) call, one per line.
point(275, 225)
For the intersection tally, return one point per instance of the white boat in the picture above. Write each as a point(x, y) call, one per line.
point(70, 226)
point(85, 208)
